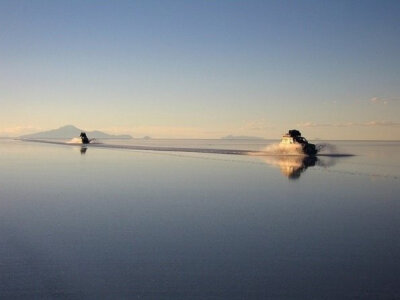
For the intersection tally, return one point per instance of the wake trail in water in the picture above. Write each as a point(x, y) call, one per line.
point(272, 150)
point(324, 149)
point(327, 148)
point(278, 149)
point(75, 141)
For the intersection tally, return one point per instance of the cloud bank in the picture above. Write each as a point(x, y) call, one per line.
point(350, 124)
point(383, 101)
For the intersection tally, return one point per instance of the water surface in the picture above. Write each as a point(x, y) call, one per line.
point(117, 223)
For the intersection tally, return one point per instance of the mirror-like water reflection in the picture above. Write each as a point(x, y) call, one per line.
point(83, 150)
point(127, 224)
point(291, 166)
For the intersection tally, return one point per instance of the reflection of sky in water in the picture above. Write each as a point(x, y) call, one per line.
point(124, 224)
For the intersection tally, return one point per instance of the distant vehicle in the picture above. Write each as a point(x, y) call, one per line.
point(293, 137)
point(84, 138)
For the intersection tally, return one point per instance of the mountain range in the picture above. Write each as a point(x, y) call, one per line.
point(70, 131)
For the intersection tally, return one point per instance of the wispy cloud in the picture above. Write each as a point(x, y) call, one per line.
point(18, 130)
point(351, 124)
point(381, 123)
point(313, 124)
point(383, 101)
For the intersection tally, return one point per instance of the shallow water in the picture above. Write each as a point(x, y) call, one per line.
point(116, 223)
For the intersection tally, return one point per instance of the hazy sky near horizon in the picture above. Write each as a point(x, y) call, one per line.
point(202, 69)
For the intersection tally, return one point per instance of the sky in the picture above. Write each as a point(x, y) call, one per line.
point(202, 69)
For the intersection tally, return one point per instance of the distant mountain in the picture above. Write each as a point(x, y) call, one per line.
point(70, 131)
point(241, 137)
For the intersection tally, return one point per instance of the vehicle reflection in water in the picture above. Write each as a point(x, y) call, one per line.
point(83, 150)
point(292, 166)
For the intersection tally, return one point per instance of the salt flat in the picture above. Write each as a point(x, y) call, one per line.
point(118, 223)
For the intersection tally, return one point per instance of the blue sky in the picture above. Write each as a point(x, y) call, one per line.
point(202, 69)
